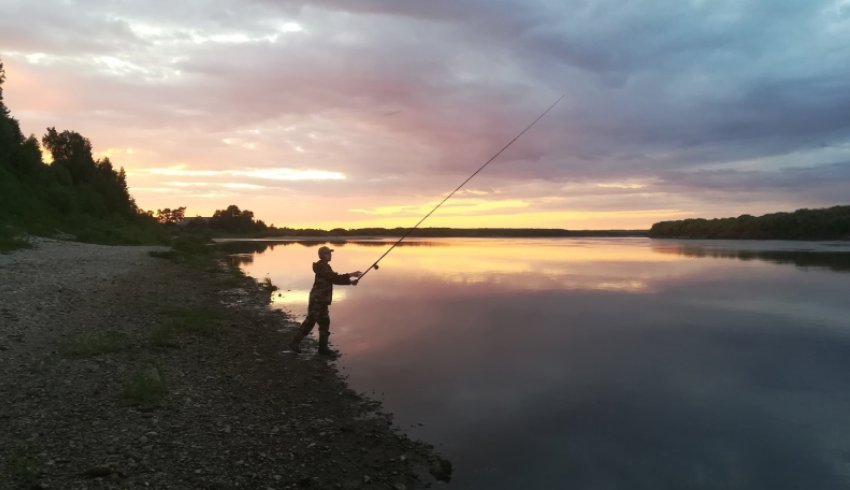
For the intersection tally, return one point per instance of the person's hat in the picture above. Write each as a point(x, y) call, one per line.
point(324, 249)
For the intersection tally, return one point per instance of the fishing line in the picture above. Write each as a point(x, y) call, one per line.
point(496, 155)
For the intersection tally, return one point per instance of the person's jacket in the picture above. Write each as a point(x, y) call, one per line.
point(323, 285)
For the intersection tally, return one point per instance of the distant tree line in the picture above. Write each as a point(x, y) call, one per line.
point(450, 232)
point(169, 216)
point(229, 221)
point(235, 222)
point(76, 193)
point(804, 224)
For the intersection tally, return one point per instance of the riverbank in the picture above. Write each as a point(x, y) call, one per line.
point(126, 370)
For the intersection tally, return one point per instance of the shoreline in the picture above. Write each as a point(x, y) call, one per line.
point(125, 370)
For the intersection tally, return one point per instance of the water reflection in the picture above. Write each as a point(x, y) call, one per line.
point(527, 264)
point(239, 260)
point(599, 363)
point(258, 246)
point(836, 261)
point(299, 298)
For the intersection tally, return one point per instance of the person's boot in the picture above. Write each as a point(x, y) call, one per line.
point(325, 349)
point(295, 344)
point(329, 353)
point(303, 331)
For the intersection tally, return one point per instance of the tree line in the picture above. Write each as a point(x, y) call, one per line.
point(235, 222)
point(803, 224)
point(77, 193)
point(84, 196)
point(229, 221)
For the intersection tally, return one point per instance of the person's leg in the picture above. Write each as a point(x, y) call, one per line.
point(324, 320)
point(313, 314)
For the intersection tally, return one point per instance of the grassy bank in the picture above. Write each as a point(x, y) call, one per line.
point(10, 240)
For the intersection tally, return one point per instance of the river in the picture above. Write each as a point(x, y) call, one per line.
point(599, 363)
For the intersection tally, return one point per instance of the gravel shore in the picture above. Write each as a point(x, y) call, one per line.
point(119, 369)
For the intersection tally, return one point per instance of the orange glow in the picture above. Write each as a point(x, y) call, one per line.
point(33, 91)
point(623, 265)
point(577, 220)
point(290, 174)
point(543, 256)
point(454, 207)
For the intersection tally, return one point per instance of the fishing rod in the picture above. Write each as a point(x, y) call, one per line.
point(496, 155)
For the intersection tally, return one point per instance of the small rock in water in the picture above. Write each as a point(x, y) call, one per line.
point(441, 469)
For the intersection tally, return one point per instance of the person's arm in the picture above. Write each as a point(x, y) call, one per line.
point(326, 272)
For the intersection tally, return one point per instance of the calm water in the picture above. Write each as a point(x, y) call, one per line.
point(601, 363)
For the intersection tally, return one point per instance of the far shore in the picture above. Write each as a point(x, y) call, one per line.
point(342, 238)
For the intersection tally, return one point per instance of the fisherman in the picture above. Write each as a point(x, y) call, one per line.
point(320, 298)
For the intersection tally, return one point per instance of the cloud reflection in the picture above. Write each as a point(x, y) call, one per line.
point(835, 257)
point(534, 365)
point(482, 266)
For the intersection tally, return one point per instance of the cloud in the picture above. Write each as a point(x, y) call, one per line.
point(812, 182)
point(460, 206)
point(284, 174)
point(666, 100)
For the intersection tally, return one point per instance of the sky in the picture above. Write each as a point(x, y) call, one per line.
point(352, 113)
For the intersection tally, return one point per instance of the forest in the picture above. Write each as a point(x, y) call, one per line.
point(77, 194)
point(803, 224)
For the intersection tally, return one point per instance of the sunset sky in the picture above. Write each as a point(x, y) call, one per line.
point(366, 113)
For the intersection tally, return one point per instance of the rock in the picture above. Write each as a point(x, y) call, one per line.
point(441, 469)
point(305, 481)
point(98, 471)
point(151, 376)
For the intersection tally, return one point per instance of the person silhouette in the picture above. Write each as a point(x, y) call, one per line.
point(321, 296)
